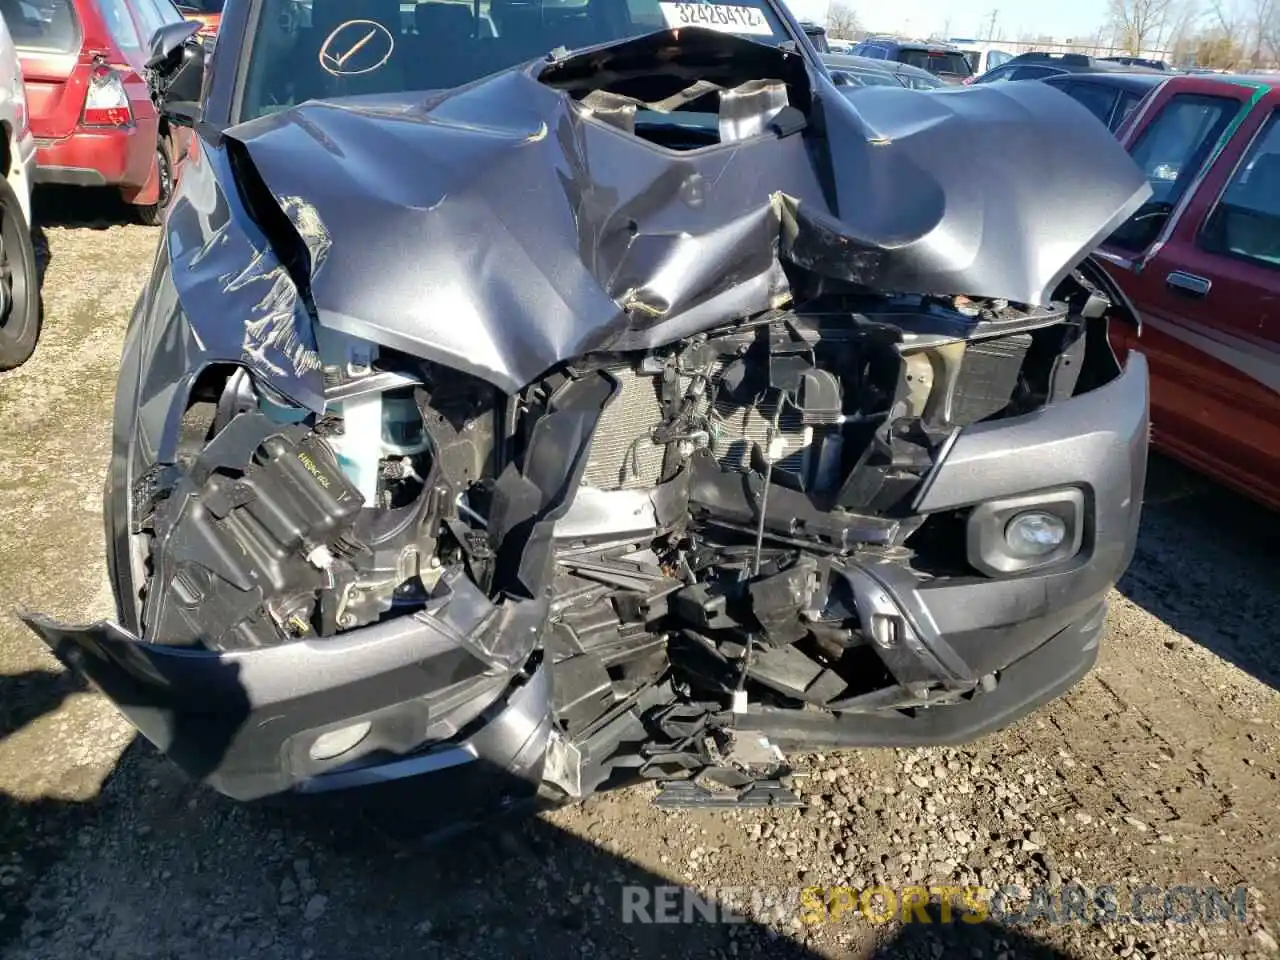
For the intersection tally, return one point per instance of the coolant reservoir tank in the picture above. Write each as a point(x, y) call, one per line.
point(359, 446)
point(280, 411)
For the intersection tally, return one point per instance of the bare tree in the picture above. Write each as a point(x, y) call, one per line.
point(1218, 51)
point(1140, 24)
point(1271, 38)
point(1263, 21)
point(1228, 23)
point(991, 20)
point(1182, 35)
point(842, 22)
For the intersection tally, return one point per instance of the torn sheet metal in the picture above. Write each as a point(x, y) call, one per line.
point(502, 227)
point(235, 301)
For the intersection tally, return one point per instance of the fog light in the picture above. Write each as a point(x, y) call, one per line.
point(337, 742)
point(1027, 532)
point(1035, 534)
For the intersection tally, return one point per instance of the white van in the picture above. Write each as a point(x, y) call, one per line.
point(982, 56)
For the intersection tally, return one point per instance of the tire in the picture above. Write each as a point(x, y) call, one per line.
point(20, 317)
point(152, 214)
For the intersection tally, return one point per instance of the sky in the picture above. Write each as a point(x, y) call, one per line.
point(968, 18)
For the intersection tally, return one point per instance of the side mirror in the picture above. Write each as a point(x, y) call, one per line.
point(166, 42)
point(176, 72)
point(841, 79)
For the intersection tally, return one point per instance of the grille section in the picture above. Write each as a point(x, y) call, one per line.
point(735, 429)
point(623, 457)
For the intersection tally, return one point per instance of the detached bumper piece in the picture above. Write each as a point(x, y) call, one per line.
point(347, 711)
point(1041, 676)
point(690, 794)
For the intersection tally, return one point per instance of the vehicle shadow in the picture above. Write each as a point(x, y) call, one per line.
point(25, 697)
point(44, 253)
point(1205, 564)
point(951, 936)
point(79, 207)
point(156, 865)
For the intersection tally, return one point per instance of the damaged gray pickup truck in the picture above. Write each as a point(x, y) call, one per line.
point(590, 390)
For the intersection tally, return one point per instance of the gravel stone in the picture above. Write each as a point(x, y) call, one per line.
point(1266, 940)
point(315, 908)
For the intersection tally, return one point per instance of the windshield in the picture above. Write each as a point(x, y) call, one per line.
point(47, 26)
point(817, 36)
point(937, 62)
point(335, 48)
point(872, 78)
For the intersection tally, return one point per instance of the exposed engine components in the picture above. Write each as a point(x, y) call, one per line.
point(697, 529)
point(253, 547)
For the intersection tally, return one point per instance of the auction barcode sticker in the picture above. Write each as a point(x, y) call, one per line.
point(717, 16)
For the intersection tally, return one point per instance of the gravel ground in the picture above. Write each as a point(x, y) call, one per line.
point(1160, 768)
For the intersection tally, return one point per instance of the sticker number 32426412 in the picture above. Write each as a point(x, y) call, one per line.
point(716, 16)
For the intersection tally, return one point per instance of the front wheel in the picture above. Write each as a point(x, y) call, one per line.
point(19, 283)
point(152, 214)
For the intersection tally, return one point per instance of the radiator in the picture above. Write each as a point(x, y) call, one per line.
point(624, 458)
point(622, 455)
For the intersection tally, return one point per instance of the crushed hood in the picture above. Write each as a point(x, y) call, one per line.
point(502, 228)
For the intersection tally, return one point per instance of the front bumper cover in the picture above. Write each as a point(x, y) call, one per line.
point(244, 721)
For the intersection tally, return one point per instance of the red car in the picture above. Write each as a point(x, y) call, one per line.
point(90, 107)
point(1201, 263)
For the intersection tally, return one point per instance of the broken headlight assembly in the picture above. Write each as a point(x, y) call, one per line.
point(333, 521)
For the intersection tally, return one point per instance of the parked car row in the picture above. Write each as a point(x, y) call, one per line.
point(90, 106)
point(943, 60)
point(1038, 65)
point(76, 107)
point(866, 72)
point(1200, 261)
